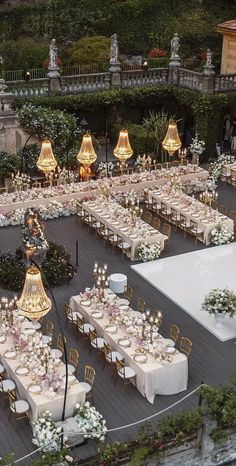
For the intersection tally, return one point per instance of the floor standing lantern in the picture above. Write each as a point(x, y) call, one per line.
point(46, 161)
point(172, 142)
point(86, 155)
point(123, 150)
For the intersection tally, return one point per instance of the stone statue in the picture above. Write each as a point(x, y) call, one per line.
point(209, 58)
point(114, 49)
point(53, 54)
point(175, 44)
point(34, 243)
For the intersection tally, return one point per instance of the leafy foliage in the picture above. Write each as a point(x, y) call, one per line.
point(57, 268)
point(30, 155)
point(9, 164)
point(95, 49)
point(23, 54)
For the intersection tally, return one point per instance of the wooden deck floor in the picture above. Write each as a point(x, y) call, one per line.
point(212, 361)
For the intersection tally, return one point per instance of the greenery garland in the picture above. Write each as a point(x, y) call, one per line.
point(57, 268)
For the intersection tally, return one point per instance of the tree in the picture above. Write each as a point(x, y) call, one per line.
point(95, 49)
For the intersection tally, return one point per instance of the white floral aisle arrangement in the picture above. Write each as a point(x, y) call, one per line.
point(220, 301)
point(221, 235)
point(91, 423)
point(149, 251)
point(216, 167)
point(197, 146)
point(45, 433)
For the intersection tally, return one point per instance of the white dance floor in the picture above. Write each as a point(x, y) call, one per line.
point(187, 278)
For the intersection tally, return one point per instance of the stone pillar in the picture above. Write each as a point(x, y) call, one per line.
point(53, 70)
point(208, 75)
point(115, 66)
point(8, 120)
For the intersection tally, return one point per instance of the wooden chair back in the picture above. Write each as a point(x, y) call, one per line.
point(186, 346)
point(166, 229)
point(156, 223)
point(60, 344)
point(148, 217)
point(128, 293)
point(89, 375)
point(141, 304)
point(174, 332)
point(73, 357)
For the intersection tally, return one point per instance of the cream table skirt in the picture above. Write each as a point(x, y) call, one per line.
point(152, 377)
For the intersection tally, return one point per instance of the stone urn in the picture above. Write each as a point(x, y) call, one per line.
point(195, 158)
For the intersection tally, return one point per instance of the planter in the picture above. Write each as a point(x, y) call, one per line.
point(219, 320)
point(195, 158)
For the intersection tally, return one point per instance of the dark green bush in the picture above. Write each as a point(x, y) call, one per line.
point(9, 163)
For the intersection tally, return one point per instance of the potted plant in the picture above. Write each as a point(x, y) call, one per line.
point(220, 303)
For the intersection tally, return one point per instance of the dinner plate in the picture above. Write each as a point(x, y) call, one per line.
point(9, 354)
point(124, 342)
point(133, 236)
point(20, 370)
point(185, 209)
point(123, 229)
point(140, 358)
point(29, 331)
point(111, 328)
point(115, 223)
point(204, 221)
point(85, 302)
point(34, 388)
point(123, 307)
point(98, 210)
point(170, 349)
point(195, 215)
point(105, 216)
point(2, 339)
point(97, 314)
point(169, 342)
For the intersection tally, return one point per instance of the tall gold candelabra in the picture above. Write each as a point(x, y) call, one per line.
point(208, 197)
point(149, 322)
point(102, 279)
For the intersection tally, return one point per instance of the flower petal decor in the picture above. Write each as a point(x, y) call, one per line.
point(220, 301)
point(149, 251)
point(91, 423)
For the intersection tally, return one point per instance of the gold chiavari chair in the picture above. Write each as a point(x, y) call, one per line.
point(184, 224)
point(124, 246)
point(158, 166)
point(175, 163)
point(156, 223)
point(128, 294)
point(167, 231)
point(156, 206)
point(36, 184)
point(84, 327)
point(6, 386)
point(79, 210)
point(105, 233)
point(115, 240)
point(46, 184)
point(147, 217)
point(174, 217)
point(196, 231)
point(73, 361)
point(186, 346)
point(185, 162)
point(174, 332)
point(95, 341)
point(233, 177)
point(60, 345)
point(164, 211)
point(141, 304)
point(126, 373)
point(110, 356)
point(3, 190)
point(20, 409)
point(147, 201)
point(71, 317)
point(88, 383)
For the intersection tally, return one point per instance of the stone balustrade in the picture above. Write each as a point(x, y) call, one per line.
point(85, 83)
point(149, 77)
point(225, 83)
point(190, 79)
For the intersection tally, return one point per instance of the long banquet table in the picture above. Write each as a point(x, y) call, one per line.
point(39, 403)
point(152, 378)
point(94, 188)
point(133, 236)
point(194, 211)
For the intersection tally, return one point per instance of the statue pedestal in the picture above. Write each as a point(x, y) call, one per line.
point(54, 80)
point(175, 62)
point(115, 70)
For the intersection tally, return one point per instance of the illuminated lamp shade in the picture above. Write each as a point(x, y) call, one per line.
point(46, 161)
point(172, 142)
point(87, 154)
point(123, 149)
point(34, 303)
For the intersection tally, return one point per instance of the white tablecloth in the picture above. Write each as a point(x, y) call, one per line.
point(136, 186)
point(202, 222)
point(152, 377)
point(226, 169)
point(40, 403)
point(156, 237)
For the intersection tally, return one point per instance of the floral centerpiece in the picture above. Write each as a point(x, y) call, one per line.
point(216, 167)
point(221, 235)
point(45, 433)
point(91, 422)
point(196, 148)
point(149, 251)
point(220, 301)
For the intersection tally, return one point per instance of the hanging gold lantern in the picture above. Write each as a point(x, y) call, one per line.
point(172, 141)
point(87, 154)
point(46, 161)
point(34, 303)
point(123, 149)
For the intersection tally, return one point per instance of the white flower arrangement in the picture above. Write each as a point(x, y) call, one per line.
point(91, 423)
point(221, 235)
point(220, 301)
point(197, 146)
point(216, 167)
point(149, 251)
point(45, 433)
point(105, 167)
